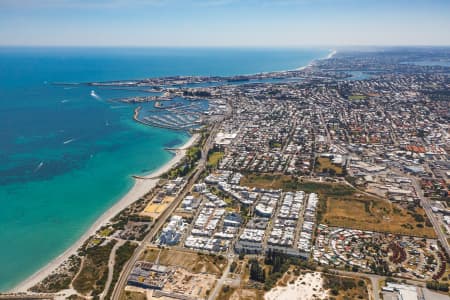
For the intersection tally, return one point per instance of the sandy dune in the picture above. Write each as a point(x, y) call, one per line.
point(306, 287)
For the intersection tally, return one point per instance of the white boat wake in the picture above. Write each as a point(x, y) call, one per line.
point(94, 95)
point(39, 167)
point(68, 141)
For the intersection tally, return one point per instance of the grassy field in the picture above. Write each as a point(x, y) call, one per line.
point(342, 206)
point(106, 232)
point(356, 97)
point(324, 163)
point(372, 214)
point(214, 158)
point(193, 262)
point(289, 183)
point(266, 181)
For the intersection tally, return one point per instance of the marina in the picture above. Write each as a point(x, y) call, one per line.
point(182, 114)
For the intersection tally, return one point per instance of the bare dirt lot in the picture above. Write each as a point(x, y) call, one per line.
point(193, 262)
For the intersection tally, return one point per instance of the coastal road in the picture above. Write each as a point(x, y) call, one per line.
point(121, 283)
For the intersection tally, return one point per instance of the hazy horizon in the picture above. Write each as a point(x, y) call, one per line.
point(224, 23)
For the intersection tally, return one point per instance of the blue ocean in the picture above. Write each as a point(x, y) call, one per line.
point(66, 157)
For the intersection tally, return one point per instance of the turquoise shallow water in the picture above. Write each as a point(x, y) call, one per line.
point(66, 157)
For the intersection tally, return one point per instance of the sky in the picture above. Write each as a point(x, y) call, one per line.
point(229, 23)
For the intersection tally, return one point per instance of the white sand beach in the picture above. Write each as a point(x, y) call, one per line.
point(142, 185)
point(333, 53)
point(306, 287)
point(329, 56)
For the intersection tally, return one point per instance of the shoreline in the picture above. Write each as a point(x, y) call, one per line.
point(142, 185)
point(333, 53)
point(329, 56)
point(310, 64)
